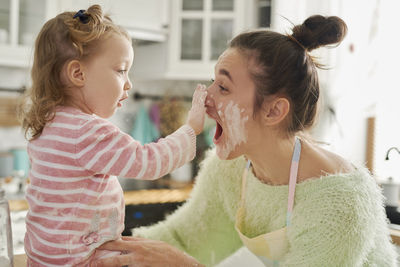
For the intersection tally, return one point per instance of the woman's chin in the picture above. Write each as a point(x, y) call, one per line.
point(224, 154)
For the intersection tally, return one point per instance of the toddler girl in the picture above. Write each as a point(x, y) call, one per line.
point(80, 76)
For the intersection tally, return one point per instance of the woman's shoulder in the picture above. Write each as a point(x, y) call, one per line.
point(316, 161)
point(355, 193)
point(356, 180)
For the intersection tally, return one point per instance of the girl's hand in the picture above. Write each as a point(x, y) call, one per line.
point(140, 252)
point(198, 111)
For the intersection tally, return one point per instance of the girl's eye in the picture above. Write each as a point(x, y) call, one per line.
point(122, 71)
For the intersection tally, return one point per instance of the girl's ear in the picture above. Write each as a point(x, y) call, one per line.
point(275, 111)
point(75, 73)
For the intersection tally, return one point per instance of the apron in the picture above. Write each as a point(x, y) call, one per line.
point(270, 247)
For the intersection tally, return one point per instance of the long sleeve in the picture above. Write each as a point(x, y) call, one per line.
point(75, 202)
point(339, 226)
point(104, 149)
point(337, 220)
point(202, 227)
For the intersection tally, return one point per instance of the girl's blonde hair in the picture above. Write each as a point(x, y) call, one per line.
point(62, 39)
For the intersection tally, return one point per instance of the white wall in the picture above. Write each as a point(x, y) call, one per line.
point(359, 71)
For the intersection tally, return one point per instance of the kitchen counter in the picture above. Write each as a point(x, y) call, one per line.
point(150, 196)
point(136, 197)
point(20, 260)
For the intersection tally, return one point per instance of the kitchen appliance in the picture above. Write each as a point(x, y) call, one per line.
point(391, 190)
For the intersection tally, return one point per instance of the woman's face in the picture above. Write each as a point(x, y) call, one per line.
point(230, 103)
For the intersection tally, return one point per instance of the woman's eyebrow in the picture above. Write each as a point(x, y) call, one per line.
point(226, 73)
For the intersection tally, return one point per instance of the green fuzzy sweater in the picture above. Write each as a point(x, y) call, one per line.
point(338, 220)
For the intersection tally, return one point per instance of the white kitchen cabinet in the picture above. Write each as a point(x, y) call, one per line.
point(199, 31)
point(20, 21)
point(145, 20)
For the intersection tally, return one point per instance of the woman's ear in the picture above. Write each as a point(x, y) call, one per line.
point(75, 73)
point(275, 111)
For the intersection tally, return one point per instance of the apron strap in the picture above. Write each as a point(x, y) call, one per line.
point(292, 181)
point(244, 179)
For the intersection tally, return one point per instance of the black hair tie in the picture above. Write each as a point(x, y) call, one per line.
point(83, 17)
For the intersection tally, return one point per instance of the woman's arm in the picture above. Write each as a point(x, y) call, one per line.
point(144, 252)
point(343, 224)
point(204, 227)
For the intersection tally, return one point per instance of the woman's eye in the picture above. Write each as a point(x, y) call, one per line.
point(223, 88)
point(122, 71)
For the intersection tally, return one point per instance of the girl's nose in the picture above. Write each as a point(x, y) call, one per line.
point(128, 85)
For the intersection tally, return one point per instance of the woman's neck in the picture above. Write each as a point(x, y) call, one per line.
point(271, 159)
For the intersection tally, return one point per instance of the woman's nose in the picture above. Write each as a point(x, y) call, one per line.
point(209, 100)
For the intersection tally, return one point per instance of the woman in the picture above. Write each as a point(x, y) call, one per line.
point(296, 204)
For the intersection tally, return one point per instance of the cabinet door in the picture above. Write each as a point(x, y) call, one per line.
point(192, 39)
point(20, 22)
point(4, 21)
point(32, 15)
point(199, 33)
point(142, 14)
point(221, 33)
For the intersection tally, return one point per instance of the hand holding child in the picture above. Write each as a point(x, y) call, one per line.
point(144, 252)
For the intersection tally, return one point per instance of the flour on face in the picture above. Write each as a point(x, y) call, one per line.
point(234, 129)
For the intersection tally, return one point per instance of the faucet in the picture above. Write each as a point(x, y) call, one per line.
point(390, 149)
point(392, 212)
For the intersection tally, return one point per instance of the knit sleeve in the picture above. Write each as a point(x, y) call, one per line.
point(104, 149)
point(201, 227)
point(336, 226)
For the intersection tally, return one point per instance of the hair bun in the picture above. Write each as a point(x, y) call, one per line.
point(317, 31)
point(96, 13)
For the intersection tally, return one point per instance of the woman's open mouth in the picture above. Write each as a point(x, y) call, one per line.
point(218, 129)
point(218, 132)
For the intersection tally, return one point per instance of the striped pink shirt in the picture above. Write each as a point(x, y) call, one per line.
point(76, 202)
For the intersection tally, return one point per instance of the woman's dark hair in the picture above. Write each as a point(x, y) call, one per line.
point(284, 66)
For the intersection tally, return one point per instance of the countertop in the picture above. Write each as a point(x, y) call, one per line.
point(20, 260)
point(135, 197)
point(150, 196)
